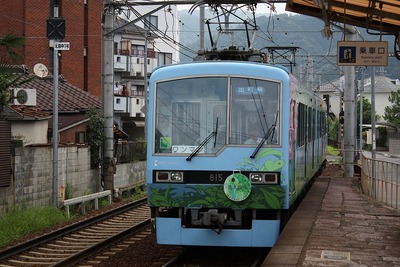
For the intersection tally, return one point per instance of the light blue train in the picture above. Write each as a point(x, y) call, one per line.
point(232, 148)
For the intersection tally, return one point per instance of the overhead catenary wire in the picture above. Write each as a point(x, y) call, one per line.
point(153, 29)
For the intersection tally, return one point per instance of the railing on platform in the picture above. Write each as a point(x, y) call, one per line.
point(380, 180)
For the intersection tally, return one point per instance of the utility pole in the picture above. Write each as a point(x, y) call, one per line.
point(309, 71)
point(349, 107)
point(145, 80)
point(202, 16)
point(361, 110)
point(373, 129)
point(109, 163)
point(55, 127)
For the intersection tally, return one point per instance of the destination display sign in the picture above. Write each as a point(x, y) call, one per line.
point(248, 90)
point(362, 53)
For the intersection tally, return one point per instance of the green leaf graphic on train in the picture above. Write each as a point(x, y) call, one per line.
point(206, 196)
point(272, 199)
point(267, 159)
point(214, 197)
point(164, 197)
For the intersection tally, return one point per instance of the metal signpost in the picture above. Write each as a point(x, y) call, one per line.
point(55, 32)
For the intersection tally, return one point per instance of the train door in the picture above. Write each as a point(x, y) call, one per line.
point(307, 141)
point(313, 127)
point(310, 142)
point(292, 146)
point(301, 148)
point(317, 136)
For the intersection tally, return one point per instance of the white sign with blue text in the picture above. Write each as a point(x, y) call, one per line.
point(362, 53)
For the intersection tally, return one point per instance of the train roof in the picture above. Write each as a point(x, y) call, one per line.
point(215, 66)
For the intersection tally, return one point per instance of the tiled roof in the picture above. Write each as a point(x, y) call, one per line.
point(22, 113)
point(383, 84)
point(25, 113)
point(66, 121)
point(70, 98)
point(119, 134)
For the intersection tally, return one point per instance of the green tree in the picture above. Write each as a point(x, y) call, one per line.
point(366, 116)
point(9, 56)
point(366, 111)
point(392, 113)
point(95, 135)
point(333, 125)
point(8, 46)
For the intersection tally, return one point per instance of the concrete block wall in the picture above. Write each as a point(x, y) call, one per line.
point(130, 174)
point(74, 172)
point(32, 177)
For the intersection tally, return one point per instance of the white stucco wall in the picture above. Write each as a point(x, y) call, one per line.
point(381, 101)
point(168, 23)
point(31, 132)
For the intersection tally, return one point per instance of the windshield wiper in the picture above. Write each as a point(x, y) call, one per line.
point(271, 131)
point(216, 133)
point(205, 142)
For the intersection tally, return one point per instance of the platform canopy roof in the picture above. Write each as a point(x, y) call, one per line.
point(377, 15)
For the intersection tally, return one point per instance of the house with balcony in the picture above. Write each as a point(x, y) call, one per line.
point(130, 46)
point(138, 49)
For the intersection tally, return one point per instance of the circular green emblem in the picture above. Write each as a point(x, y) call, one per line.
point(237, 187)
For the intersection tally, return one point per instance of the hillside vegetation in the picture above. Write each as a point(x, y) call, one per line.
point(287, 30)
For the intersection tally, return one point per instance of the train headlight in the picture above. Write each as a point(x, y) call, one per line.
point(176, 177)
point(169, 176)
point(256, 177)
point(162, 176)
point(264, 177)
point(271, 178)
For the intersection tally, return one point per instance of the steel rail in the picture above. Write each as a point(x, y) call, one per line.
point(25, 246)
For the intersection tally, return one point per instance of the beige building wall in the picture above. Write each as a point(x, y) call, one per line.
point(31, 132)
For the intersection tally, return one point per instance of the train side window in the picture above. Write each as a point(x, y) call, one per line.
point(298, 133)
point(313, 124)
point(302, 124)
point(309, 124)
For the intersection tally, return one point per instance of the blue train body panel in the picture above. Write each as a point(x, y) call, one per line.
point(169, 231)
point(231, 147)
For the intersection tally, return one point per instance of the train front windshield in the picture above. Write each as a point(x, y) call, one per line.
point(194, 113)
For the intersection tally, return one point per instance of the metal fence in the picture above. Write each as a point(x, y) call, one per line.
point(380, 180)
point(131, 151)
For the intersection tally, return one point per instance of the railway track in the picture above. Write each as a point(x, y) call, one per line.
point(77, 242)
point(218, 256)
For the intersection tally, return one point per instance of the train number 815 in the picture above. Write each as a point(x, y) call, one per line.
point(216, 177)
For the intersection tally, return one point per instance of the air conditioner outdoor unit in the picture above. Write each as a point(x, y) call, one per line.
point(24, 96)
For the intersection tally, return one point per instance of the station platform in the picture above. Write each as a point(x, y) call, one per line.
point(337, 225)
